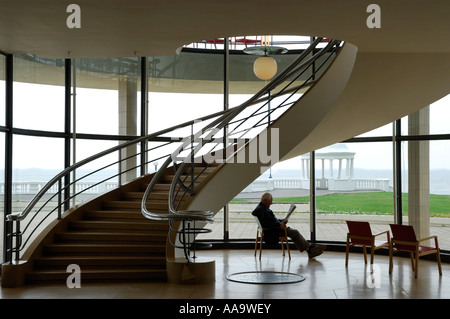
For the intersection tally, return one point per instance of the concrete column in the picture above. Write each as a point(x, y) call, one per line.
point(419, 174)
point(128, 123)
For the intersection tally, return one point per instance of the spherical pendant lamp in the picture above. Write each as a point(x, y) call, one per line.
point(265, 67)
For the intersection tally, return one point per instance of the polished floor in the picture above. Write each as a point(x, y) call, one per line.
point(326, 277)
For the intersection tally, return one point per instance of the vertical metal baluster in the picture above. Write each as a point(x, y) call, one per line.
point(192, 161)
point(18, 240)
point(59, 198)
point(120, 168)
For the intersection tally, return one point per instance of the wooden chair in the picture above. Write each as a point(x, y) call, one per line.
point(404, 239)
point(360, 234)
point(260, 238)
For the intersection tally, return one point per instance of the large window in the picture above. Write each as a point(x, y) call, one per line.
point(38, 100)
point(107, 96)
point(183, 88)
point(353, 180)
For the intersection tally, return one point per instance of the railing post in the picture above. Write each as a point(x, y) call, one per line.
point(192, 192)
point(9, 241)
point(18, 240)
point(59, 198)
point(120, 168)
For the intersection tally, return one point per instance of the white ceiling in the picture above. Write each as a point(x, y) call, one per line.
point(399, 68)
point(158, 27)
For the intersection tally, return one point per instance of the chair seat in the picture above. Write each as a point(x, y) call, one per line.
point(422, 249)
point(377, 243)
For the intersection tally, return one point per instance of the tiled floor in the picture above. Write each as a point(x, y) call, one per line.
point(326, 278)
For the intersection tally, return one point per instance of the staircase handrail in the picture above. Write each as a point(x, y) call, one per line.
point(17, 217)
point(219, 120)
point(218, 124)
point(299, 65)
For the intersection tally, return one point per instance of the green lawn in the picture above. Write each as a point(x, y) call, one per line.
point(369, 203)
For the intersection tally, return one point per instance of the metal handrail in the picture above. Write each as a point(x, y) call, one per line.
point(16, 218)
point(219, 120)
point(196, 143)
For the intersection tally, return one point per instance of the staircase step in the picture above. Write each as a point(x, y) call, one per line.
point(118, 215)
point(154, 196)
point(111, 237)
point(185, 178)
point(140, 274)
point(134, 205)
point(160, 187)
point(114, 243)
point(124, 205)
point(90, 262)
point(103, 249)
point(144, 225)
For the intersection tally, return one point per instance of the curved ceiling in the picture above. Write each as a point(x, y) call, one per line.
point(116, 28)
point(400, 67)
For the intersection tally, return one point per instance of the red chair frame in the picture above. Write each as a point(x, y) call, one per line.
point(360, 234)
point(404, 239)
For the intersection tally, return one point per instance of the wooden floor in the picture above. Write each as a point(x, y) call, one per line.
point(326, 278)
point(329, 289)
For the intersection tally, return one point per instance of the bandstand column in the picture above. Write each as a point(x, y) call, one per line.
point(331, 168)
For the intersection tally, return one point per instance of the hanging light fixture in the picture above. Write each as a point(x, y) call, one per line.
point(265, 67)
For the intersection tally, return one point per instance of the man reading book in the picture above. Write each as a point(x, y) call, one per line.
point(274, 228)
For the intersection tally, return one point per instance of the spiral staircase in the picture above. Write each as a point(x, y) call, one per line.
point(131, 232)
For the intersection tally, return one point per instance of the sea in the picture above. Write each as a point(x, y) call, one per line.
point(439, 178)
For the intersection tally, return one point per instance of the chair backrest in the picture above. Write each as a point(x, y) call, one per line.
point(404, 233)
point(258, 223)
point(358, 228)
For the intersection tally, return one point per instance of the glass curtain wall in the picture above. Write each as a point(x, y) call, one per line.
point(106, 105)
point(106, 110)
point(354, 181)
point(38, 93)
point(183, 88)
point(38, 104)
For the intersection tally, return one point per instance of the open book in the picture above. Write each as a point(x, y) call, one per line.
point(290, 211)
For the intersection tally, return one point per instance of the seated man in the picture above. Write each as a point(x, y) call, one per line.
point(275, 228)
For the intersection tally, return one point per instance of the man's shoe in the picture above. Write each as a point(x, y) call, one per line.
point(316, 250)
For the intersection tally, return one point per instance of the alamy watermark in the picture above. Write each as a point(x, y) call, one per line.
point(263, 149)
point(373, 21)
point(74, 279)
point(373, 279)
point(73, 21)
